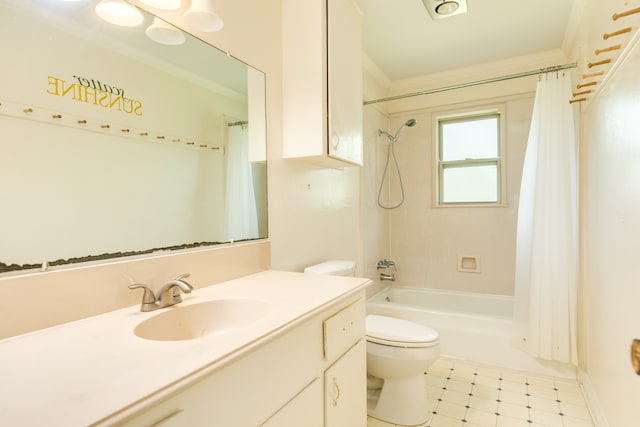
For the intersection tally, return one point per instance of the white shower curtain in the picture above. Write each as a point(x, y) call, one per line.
point(546, 249)
point(241, 213)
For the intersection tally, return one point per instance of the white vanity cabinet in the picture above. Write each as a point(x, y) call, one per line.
point(312, 374)
point(345, 352)
point(322, 81)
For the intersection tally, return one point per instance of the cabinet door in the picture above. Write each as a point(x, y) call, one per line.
point(345, 80)
point(345, 389)
point(305, 409)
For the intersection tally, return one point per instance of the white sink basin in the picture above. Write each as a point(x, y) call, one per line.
point(203, 319)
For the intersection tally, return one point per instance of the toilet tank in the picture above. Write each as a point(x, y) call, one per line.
point(333, 268)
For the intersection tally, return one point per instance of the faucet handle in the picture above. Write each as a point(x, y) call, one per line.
point(148, 297)
point(180, 279)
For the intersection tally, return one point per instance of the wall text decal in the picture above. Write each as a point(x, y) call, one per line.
point(94, 92)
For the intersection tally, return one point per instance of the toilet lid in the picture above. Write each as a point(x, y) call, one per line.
point(399, 332)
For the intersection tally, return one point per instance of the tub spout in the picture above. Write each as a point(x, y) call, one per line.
point(390, 277)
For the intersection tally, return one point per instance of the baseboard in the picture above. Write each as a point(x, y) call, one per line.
point(593, 403)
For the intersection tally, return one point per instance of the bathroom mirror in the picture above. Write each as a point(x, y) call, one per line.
point(114, 144)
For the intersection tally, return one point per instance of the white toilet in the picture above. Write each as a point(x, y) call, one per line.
point(398, 354)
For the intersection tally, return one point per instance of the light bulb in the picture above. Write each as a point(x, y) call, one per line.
point(118, 12)
point(164, 33)
point(202, 16)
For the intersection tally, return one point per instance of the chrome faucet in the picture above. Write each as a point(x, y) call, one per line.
point(390, 277)
point(169, 294)
point(384, 264)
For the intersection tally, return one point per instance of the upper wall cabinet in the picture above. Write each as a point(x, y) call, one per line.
point(322, 81)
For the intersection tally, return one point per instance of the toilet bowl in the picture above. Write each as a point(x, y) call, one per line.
point(398, 354)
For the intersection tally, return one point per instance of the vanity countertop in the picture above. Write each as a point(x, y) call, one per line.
point(82, 373)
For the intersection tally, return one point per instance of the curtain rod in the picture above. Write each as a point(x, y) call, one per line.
point(240, 123)
point(475, 83)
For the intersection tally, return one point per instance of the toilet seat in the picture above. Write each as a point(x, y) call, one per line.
point(398, 332)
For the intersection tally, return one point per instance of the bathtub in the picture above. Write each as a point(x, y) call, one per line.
point(473, 327)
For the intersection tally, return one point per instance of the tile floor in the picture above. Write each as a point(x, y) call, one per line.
point(461, 394)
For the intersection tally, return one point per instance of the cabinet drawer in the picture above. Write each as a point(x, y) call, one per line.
point(344, 329)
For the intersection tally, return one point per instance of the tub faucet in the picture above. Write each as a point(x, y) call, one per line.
point(390, 277)
point(168, 295)
point(384, 264)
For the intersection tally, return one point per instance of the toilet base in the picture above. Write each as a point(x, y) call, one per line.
point(402, 402)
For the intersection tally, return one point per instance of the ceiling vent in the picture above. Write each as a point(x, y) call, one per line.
point(439, 9)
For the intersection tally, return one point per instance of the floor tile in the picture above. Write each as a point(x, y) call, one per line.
point(504, 421)
point(464, 372)
point(513, 387)
point(486, 392)
point(514, 411)
point(459, 385)
point(488, 371)
point(453, 410)
point(463, 394)
point(515, 398)
point(575, 411)
point(434, 392)
point(551, 419)
point(515, 377)
point(567, 387)
point(545, 392)
point(435, 380)
point(444, 421)
point(455, 397)
point(569, 397)
point(541, 382)
point(488, 381)
point(441, 371)
point(483, 404)
point(544, 404)
point(482, 418)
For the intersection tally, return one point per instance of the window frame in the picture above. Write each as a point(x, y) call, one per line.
point(500, 161)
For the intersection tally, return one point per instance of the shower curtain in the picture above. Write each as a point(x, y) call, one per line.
point(546, 248)
point(241, 213)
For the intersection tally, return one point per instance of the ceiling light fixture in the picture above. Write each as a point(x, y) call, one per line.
point(164, 33)
point(163, 4)
point(203, 17)
point(119, 12)
point(447, 7)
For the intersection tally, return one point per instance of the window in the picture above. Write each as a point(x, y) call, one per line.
point(469, 159)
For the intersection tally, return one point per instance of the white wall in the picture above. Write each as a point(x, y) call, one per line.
point(610, 223)
point(374, 220)
point(424, 240)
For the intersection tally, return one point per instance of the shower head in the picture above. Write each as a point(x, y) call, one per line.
point(394, 138)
